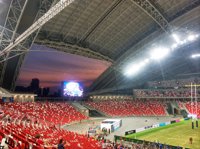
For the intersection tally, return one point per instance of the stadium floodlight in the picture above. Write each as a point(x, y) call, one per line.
point(143, 63)
point(192, 37)
point(174, 46)
point(159, 53)
point(135, 68)
point(176, 37)
point(189, 38)
point(131, 70)
point(195, 55)
point(183, 42)
point(146, 61)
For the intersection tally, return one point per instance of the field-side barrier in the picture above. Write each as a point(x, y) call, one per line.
point(154, 126)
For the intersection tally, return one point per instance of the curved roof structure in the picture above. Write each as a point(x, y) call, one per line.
point(118, 31)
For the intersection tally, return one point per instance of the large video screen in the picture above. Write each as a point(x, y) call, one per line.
point(72, 89)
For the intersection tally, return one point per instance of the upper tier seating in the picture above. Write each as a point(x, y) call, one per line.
point(163, 93)
point(178, 83)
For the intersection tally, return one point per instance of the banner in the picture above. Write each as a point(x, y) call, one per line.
point(167, 123)
point(130, 132)
point(173, 122)
point(156, 125)
point(140, 129)
point(162, 124)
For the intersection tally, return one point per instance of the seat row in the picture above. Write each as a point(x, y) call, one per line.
point(56, 113)
point(19, 136)
point(129, 107)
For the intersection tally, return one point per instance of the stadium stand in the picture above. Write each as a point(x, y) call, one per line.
point(176, 83)
point(181, 104)
point(110, 47)
point(22, 122)
point(24, 135)
point(130, 107)
point(46, 112)
point(161, 93)
point(191, 107)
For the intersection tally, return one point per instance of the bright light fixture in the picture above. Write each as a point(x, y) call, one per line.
point(192, 37)
point(162, 52)
point(176, 37)
point(195, 55)
point(174, 46)
point(159, 53)
point(131, 70)
point(146, 61)
point(135, 68)
point(189, 38)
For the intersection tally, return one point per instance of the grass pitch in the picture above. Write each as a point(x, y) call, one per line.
point(176, 134)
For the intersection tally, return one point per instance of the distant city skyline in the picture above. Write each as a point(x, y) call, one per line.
point(53, 67)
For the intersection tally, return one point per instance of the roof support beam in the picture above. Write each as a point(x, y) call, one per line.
point(8, 33)
point(13, 18)
point(100, 20)
point(74, 49)
point(62, 4)
point(24, 45)
point(151, 11)
point(45, 5)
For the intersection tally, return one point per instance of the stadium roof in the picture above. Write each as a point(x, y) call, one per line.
point(118, 31)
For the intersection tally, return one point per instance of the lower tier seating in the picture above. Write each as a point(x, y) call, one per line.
point(46, 112)
point(20, 136)
point(130, 107)
point(193, 108)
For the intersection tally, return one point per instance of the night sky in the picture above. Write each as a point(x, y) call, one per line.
point(53, 67)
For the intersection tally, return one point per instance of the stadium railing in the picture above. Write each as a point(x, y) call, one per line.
point(140, 142)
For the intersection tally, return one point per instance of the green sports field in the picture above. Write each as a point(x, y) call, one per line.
point(177, 134)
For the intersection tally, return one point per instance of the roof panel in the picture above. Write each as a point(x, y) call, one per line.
point(171, 7)
point(120, 26)
point(78, 18)
point(89, 17)
point(66, 18)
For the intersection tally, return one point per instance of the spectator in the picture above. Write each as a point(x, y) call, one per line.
point(39, 141)
point(191, 139)
point(61, 144)
point(3, 143)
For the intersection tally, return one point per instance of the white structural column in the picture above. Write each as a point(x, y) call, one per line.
point(25, 45)
point(8, 32)
point(14, 14)
point(62, 4)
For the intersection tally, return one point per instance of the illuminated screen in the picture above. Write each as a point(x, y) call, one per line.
point(72, 89)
